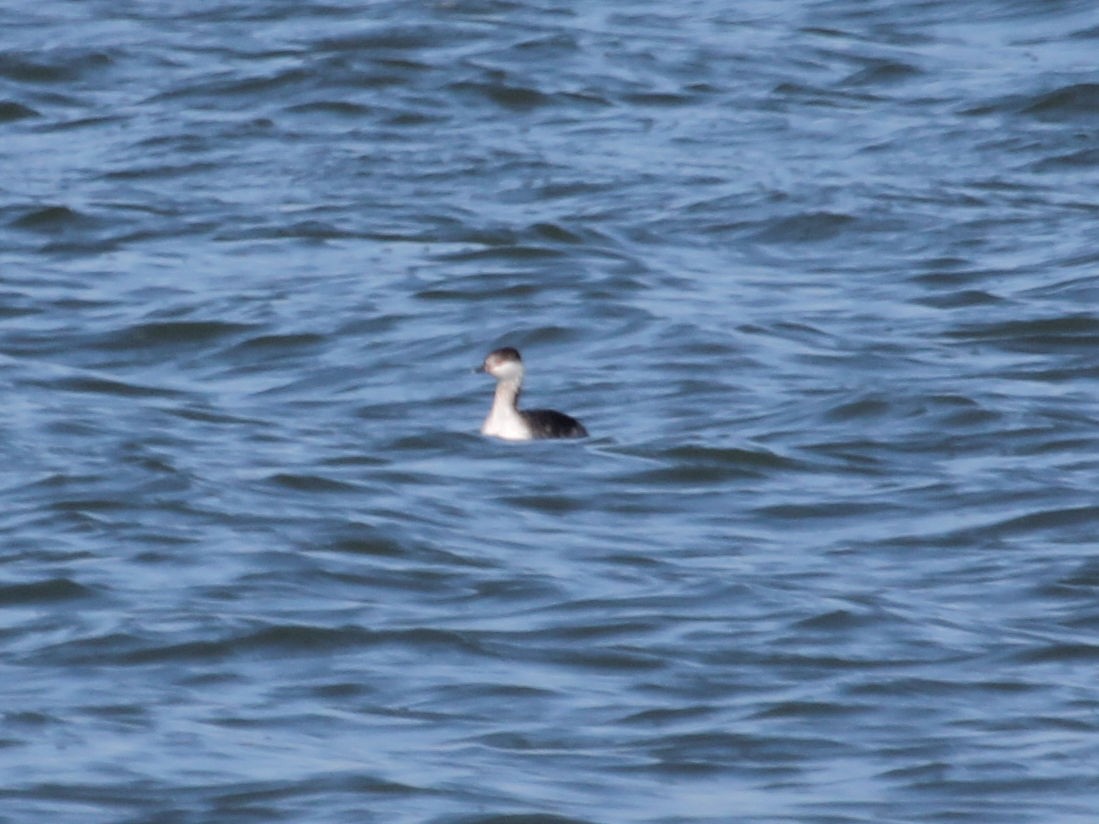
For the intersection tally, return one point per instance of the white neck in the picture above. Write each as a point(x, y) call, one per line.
point(504, 420)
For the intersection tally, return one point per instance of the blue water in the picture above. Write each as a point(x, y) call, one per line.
point(820, 278)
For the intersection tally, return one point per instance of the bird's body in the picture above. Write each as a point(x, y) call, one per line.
point(506, 420)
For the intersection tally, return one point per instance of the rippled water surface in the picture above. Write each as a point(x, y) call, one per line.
point(820, 278)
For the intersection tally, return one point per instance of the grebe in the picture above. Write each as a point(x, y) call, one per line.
point(506, 420)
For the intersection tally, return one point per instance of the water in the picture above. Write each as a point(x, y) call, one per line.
point(819, 277)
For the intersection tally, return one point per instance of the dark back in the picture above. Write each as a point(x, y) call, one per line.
point(549, 423)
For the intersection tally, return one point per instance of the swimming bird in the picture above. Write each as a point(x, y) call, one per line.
point(506, 420)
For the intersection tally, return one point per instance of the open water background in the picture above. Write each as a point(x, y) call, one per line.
point(820, 277)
